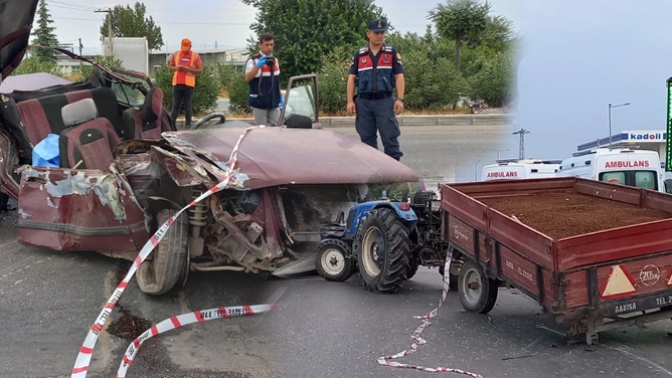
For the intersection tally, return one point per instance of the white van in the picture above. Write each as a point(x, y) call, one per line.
point(625, 166)
point(519, 169)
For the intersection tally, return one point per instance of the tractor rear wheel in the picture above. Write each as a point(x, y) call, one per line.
point(413, 266)
point(383, 249)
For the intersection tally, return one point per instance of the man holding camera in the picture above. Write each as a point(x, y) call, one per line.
point(263, 75)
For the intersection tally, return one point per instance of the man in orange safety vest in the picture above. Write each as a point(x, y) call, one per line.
point(185, 65)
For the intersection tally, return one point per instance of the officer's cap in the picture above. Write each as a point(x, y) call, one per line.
point(378, 25)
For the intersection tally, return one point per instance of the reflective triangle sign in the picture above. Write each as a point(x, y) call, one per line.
point(620, 283)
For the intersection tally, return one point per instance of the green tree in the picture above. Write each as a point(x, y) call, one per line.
point(306, 30)
point(461, 21)
point(498, 34)
point(44, 35)
point(132, 22)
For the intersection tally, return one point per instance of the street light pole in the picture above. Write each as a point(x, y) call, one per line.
point(499, 151)
point(610, 107)
point(476, 168)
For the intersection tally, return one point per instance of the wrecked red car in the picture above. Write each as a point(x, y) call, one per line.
point(123, 170)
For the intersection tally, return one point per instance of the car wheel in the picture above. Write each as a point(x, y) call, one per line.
point(165, 267)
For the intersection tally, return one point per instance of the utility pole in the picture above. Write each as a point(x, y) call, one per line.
point(80, 54)
point(522, 132)
point(109, 28)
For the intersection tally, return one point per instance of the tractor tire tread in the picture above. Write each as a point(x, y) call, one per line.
point(398, 251)
point(350, 262)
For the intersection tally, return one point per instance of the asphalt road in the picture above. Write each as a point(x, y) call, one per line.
point(452, 152)
point(49, 300)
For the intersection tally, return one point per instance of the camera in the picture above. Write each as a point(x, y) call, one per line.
point(270, 61)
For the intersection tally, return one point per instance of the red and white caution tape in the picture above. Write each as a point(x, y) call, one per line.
point(181, 320)
point(83, 360)
point(385, 360)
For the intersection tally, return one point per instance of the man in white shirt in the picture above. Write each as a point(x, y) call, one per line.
point(263, 75)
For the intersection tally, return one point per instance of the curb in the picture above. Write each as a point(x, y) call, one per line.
point(408, 121)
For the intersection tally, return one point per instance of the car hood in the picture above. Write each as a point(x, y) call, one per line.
point(16, 21)
point(278, 156)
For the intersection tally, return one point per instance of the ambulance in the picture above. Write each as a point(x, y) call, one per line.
point(519, 169)
point(625, 166)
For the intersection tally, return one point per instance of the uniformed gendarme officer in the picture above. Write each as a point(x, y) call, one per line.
point(376, 70)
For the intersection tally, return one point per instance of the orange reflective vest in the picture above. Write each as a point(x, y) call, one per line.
point(190, 78)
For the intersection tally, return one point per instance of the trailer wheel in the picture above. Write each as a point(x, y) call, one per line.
point(334, 261)
point(166, 268)
point(453, 277)
point(383, 250)
point(477, 292)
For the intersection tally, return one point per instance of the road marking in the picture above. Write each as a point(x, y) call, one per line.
point(644, 359)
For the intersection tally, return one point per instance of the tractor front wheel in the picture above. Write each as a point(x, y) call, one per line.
point(383, 250)
point(334, 261)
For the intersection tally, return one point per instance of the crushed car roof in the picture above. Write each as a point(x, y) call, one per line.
point(16, 21)
point(31, 82)
point(274, 156)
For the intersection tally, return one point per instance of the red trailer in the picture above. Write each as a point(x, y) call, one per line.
point(596, 255)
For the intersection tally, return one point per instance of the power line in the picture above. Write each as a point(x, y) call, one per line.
point(196, 23)
point(71, 5)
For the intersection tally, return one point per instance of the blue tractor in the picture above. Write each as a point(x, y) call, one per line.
point(385, 241)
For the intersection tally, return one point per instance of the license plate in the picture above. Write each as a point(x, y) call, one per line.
point(640, 304)
point(663, 301)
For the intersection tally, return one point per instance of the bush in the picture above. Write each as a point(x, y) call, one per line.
point(493, 83)
point(205, 94)
point(332, 81)
point(226, 74)
point(238, 93)
point(105, 61)
point(430, 84)
point(32, 64)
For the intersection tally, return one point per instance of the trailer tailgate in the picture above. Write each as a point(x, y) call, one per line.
point(622, 287)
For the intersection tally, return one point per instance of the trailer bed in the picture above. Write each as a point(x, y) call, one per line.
point(564, 213)
point(589, 252)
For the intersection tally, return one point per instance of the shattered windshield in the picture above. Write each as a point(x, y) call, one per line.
point(127, 94)
point(301, 100)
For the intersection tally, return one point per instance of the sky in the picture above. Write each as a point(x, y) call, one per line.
point(224, 21)
point(579, 56)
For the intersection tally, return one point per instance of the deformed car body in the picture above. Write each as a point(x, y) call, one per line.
point(124, 169)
